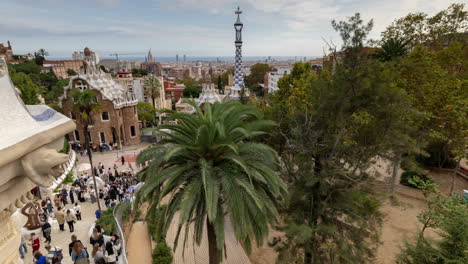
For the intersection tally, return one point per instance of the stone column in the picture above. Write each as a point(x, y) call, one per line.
point(10, 239)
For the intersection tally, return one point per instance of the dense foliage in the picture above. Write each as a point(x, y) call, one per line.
point(192, 91)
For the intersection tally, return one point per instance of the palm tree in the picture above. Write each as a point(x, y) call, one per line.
point(153, 86)
point(86, 103)
point(392, 48)
point(209, 167)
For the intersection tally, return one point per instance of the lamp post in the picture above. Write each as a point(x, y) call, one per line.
point(90, 156)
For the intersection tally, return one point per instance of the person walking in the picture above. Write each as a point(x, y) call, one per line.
point(77, 210)
point(79, 254)
point(122, 159)
point(46, 231)
point(70, 218)
point(23, 249)
point(50, 207)
point(60, 216)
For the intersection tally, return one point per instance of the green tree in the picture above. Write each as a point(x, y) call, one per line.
point(257, 77)
point(192, 91)
point(209, 167)
point(29, 90)
point(436, 85)
point(447, 26)
point(220, 85)
point(392, 49)
point(71, 72)
point(146, 112)
point(448, 216)
point(39, 56)
point(153, 89)
point(27, 67)
point(162, 254)
point(86, 103)
point(53, 95)
point(333, 126)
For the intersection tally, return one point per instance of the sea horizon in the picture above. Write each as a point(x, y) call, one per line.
point(201, 58)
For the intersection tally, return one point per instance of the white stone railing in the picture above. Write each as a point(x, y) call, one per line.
point(66, 167)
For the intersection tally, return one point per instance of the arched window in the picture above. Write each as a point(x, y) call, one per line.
point(82, 85)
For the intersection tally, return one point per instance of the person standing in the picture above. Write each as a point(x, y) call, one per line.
point(79, 255)
point(35, 243)
point(50, 208)
point(70, 218)
point(40, 259)
point(110, 254)
point(98, 254)
point(72, 196)
point(46, 231)
point(64, 195)
point(122, 159)
point(60, 216)
point(73, 241)
point(77, 210)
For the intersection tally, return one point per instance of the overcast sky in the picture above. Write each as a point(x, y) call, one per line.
point(192, 27)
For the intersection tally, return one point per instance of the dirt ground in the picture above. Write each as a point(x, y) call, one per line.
point(400, 222)
point(139, 243)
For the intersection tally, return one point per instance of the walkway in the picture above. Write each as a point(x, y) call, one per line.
point(139, 242)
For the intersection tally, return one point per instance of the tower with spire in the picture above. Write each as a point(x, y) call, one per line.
point(238, 73)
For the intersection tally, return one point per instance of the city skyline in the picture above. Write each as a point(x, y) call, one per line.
point(194, 28)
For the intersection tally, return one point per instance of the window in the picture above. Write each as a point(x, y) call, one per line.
point(105, 116)
point(145, 98)
point(102, 137)
point(132, 131)
point(82, 85)
point(77, 135)
point(130, 89)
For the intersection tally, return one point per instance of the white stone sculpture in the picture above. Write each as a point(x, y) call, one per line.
point(30, 137)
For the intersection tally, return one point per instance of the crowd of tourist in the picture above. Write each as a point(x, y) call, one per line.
point(116, 186)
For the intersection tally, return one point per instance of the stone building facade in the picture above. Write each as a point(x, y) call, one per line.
point(117, 120)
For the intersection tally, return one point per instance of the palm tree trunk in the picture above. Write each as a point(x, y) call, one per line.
point(396, 178)
point(212, 248)
point(454, 175)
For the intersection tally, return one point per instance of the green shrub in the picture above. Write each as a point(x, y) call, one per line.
point(126, 209)
point(162, 254)
point(155, 225)
point(65, 147)
point(107, 221)
point(137, 215)
point(69, 178)
point(408, 175)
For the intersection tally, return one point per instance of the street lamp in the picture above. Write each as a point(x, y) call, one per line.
point(90, 156)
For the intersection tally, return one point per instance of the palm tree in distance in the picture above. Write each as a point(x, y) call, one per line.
point(153, 89)
point(86, 103)
point(392, 48)
point(210, 168)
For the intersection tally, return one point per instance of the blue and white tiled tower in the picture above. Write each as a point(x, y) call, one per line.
point(238, 74)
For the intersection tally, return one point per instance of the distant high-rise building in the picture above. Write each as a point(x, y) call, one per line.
point(184, 57)
point(149, 57)
point(177, 57)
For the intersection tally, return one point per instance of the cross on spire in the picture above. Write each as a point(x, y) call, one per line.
point(238, 12)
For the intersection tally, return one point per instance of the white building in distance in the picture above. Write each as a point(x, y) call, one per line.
point(273, 77)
